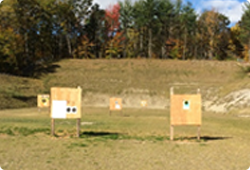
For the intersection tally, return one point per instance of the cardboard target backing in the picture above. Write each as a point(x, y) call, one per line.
point(115, 104)
point(66, 103)
point(43, 100)
point(185, 110)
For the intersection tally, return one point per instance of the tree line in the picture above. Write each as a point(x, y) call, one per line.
point(34, 33)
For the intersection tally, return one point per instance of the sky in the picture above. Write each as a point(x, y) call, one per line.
point(233, 9)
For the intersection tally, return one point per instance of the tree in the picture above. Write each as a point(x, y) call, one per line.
point(235, 44)
point(96, 30)
point(188, 22)
point(113, 24)
point(126, 20)
point(114, 47)
point(139, 24)
point(211, 25)
point(112, 16)
point(165, 12)
point(84, 50)
point(146, 17)
point(43, 31)
point(245, 27)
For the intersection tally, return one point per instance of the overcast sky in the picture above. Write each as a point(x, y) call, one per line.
point(230, 8)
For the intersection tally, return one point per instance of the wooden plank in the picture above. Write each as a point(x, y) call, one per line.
point(78, 126)
point(171, 132)
point(53, 127)
point(198, 133)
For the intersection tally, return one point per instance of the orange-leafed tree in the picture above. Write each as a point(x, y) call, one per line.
point(114, 44)
point(112, 17)
point(84, 50)
point(174, 48)
point(114, 47)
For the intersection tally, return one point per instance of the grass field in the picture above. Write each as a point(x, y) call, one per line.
point(137, 139)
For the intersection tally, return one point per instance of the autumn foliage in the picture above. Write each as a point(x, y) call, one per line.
point(112, 16)
point(34, 35)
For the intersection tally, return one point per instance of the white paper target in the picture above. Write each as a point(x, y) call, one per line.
point(117, 106)
point(186, 105)
point(59, 109)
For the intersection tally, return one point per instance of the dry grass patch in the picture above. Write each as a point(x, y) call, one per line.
point(154, 76)
point(128, 78)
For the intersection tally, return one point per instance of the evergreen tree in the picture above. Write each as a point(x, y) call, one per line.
point(126, 20)
point(188, 22)
point(245, 27)
point(96, 31)
point(165, 13)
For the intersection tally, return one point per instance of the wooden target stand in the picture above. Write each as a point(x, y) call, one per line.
point(66, 104)
point(115, 104)
point(185, 110)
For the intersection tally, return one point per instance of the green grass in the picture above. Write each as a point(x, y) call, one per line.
point(127, 77)
point(138, 139)
point(22, 131)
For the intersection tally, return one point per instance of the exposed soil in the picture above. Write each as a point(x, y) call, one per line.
point(235, 100)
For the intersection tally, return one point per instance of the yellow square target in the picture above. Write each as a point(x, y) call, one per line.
point(43, 100)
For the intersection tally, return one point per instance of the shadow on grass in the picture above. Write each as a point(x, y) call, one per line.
point(27, 100)
point(211, 138)
point(24, 98)
point(96, 134)
point(51, 68)
point(203, 138)
point(106, 135)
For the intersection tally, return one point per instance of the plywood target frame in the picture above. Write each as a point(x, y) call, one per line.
point(185, 109)
point(115, 104)
point(65, 104)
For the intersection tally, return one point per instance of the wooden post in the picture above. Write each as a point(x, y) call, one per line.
point(198, 91)
point(171, 90)
point(171, 132)
point(78, 124)
point(199, 133)
point(53, 127)
point(171, 126)
point(199, 127)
